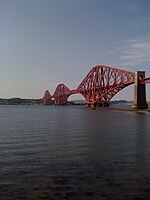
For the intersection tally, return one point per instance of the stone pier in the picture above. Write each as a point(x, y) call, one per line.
point(139, 91)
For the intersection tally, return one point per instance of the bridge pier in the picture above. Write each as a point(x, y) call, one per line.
point(139, 91)
point(93, 106)
point(103, 104)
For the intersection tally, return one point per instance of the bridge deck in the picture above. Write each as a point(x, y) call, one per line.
point(145, 81)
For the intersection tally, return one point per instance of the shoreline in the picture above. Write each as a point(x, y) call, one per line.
point(141, 111)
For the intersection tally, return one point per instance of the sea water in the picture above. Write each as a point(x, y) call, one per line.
point(74, 152)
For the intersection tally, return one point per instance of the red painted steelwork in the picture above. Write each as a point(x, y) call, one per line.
point(98, 87)
point(47, 97)
point(102, 83)
point(145, 80)
point(61, 94)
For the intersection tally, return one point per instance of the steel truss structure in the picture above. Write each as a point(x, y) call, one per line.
point(98, 87)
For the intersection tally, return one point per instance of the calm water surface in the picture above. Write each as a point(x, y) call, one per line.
point(73, 152)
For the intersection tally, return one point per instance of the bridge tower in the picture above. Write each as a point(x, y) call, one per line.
point(139, 91)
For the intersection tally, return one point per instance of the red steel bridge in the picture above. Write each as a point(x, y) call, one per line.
point(100, 85)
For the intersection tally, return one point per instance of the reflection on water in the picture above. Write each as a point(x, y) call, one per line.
point(73, 152)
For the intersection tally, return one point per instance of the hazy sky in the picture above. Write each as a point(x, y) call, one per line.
point(46, 42)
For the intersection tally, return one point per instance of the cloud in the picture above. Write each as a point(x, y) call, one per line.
point(132, 8)
point(144, 22)
point(134, 52)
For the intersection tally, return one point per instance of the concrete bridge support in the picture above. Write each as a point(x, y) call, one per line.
point(139, 91)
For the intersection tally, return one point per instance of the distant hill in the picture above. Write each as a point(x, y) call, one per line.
point(118, 102)
point(20, 101)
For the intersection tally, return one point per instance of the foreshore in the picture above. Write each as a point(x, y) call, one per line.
point(140, 111)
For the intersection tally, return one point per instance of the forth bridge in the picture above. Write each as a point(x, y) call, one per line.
point(100, 85)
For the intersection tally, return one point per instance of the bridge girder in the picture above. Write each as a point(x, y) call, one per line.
point(61, 94)
point(98, 87)
point(103, 82)
point(47, 97)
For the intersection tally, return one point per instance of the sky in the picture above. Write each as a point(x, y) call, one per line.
point(47, 42)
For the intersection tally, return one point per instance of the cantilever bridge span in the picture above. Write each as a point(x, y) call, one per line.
point(100, 85)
